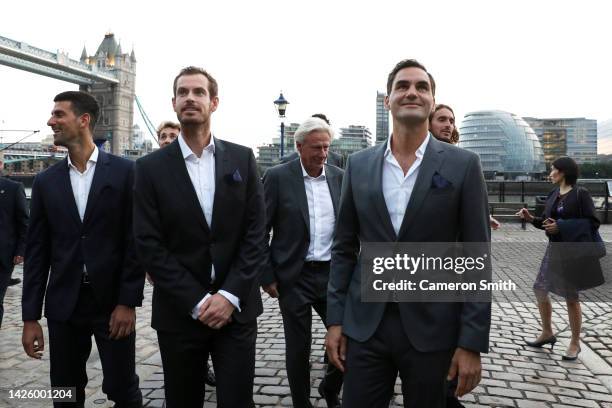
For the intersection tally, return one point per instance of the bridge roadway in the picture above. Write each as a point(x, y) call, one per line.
point(514, 375)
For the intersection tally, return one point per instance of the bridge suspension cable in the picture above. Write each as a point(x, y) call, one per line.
point(150, 126)
point(33, 132)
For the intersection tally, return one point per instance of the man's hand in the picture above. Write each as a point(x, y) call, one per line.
point(216, 312)
point(32, 339)
point(335, 343)
point(17, 260)
point(466, 364)
point(122, 322)
point(271, 289)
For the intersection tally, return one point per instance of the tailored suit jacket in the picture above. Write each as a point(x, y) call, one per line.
point(456, 212)
point(287, 215)
point(59, 245)
point(178, 247)
point(334, 159)
point(13, 222)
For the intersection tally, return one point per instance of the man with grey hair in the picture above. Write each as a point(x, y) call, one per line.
point(332, 158)
point(302, 199)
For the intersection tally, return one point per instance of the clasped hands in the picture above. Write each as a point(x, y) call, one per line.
point(216, 311)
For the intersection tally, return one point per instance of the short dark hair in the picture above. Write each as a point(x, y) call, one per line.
point(213, 88)
point(322, 117)
point(409, 63)
point(568, 167)
point(81, 103)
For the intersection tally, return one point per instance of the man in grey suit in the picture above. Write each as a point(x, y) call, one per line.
point(411, 189)
point(302, 198)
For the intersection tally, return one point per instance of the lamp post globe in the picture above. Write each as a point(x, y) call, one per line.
point(281, 106)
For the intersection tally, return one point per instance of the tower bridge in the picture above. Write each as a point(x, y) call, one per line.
point(109, 75)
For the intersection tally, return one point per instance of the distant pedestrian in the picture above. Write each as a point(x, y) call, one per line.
point(568, 211)
point(13, 225)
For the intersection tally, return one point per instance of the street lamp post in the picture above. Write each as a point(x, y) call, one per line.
point(281, 106)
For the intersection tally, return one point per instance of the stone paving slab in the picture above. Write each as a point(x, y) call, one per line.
point(514, 375)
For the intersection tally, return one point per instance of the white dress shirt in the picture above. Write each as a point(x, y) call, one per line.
point(81, 182)
point(202, 174)
point(321, 214)
point(397, 187)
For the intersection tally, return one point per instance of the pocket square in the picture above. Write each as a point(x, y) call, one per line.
point(235, 177)
point(437, 181)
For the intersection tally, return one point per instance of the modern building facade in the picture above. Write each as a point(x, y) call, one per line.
point(604, 137)
point(507, 146)
point(352, 139)
point(573, 137)
point(382, 119)
point(268, 155)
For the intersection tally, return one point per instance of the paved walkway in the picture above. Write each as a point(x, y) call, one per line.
point(514, 375)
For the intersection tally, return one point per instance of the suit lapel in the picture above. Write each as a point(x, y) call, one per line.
point(432, 160)
point(221, 169)
point(97, 184)
point(377, 191)
point(65, 190)
point(334, 188)
point(179, 169)
point(299, 189)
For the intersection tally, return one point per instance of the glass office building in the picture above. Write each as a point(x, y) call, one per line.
point(505, 143)
point(352, 139)
point(573, 137)
point(382, 119)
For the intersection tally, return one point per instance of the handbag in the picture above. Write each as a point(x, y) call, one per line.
point(598, 249)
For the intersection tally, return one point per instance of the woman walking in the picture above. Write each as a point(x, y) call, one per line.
point(564, 203)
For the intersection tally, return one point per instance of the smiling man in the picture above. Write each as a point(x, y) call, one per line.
point(199, 224)
point(301, 206)
point(392, 193)
point(80, 241)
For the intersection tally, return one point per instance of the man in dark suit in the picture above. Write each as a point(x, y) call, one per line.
point(411, 189)
point(301, 205)
point(81, 228)
point(167, 132)
point(334, 159)
point(199, 225)
point(13, 226)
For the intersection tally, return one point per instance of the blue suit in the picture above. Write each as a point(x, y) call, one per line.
point(59, 248)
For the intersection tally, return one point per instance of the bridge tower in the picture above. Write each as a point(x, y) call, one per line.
point(116, 99)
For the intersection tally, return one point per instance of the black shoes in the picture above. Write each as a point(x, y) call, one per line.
point(539, 343)
point(571, 357)
point(331, 398)
point(14, 281)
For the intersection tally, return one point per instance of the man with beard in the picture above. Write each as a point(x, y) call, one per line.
point(199, 226)
point(81, 229)
point(391, 193)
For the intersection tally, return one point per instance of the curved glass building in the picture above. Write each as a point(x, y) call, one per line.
point(506, 144)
